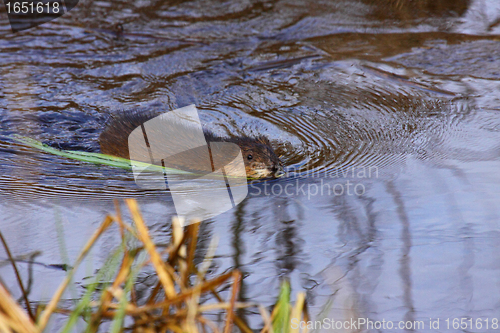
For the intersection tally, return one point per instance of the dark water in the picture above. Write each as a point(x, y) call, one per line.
point(387, 110)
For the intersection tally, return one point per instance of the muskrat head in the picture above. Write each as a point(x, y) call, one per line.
point(260, 159)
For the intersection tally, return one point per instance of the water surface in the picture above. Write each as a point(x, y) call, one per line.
point(384, 112)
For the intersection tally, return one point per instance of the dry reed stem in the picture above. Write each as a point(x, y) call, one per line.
point(237, 320)
point(192, 235)
point(18, 277)
point(204, 287)
point(106, 297)
point(118, 218)
point(12, 316)
point(45, 316)
point(234, 295)
point(180, 310)
point(178, 237)
point(192, 232)
point(298, 310)
point(268, 323)
point(158, 263)
point(207, 322)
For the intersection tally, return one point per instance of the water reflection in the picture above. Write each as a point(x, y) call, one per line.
point(408, 11)
point(405, 260)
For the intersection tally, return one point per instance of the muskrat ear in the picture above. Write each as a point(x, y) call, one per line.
point(263, 140)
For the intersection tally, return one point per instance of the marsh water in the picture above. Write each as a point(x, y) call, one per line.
point(385, 113)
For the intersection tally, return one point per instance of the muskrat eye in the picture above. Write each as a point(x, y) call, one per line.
point(250, 157)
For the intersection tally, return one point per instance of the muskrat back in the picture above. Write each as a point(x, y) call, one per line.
point(258, 155)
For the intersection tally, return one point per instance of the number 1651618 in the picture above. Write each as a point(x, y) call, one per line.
point(32, 7)
point(470, 324)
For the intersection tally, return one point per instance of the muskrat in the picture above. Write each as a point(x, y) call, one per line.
point(258, 155)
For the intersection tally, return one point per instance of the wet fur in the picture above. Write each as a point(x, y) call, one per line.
point(114, 141)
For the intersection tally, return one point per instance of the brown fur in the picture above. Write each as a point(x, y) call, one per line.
point(258, 155)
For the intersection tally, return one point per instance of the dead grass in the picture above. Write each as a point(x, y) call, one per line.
point(172, 305)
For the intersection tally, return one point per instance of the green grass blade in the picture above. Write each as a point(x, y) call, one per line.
point(105, 274)
point(98, 158)
point(281, 321)
point(117, 324)
point(119, 318)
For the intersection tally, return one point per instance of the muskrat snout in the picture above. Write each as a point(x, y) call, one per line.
point(261, 161)
point(278, 170)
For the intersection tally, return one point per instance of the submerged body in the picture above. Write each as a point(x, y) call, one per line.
point(258, 155)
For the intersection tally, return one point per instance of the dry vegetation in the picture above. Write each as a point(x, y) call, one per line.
point(173, 305)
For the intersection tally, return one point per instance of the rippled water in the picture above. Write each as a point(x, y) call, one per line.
point(385, 113)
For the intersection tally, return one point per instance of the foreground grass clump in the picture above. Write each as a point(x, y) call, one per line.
point(172, 305)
